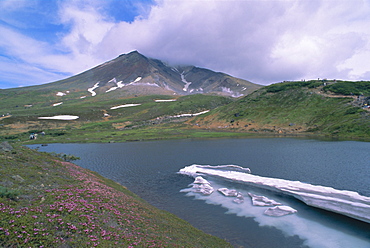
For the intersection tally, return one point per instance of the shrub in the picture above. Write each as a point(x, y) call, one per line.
point(291, 85)
point(8, 193)
point(349, 88)
point(65, 157)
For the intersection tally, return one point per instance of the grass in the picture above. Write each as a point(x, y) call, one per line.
point(290, 108)
point(63, 205)
point(154, 132)
point(295, 110)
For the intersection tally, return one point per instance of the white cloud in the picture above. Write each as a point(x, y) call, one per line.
point(263, 41)
point(88, 28)
point(17, 74)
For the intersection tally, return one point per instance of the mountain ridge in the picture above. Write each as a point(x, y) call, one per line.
point(137, 74)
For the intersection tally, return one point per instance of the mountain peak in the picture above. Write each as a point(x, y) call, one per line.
point(135, 74)
point(132, 53)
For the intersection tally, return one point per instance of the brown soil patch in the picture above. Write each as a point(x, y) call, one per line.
point(211, 122)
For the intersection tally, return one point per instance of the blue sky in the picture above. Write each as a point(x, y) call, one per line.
point(264, 41)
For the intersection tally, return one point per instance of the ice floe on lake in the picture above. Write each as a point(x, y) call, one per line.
point(259, 200)
point(228, 192)
point(200, 185)
point(278, 211)
point(317, 228)
point(60, 117)
point(344, 202)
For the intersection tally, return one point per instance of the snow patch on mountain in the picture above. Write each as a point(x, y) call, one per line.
point(125, 105)
point(136, 82)
point(111, 89)
point(137, 79)
point(191, 115)
point(170, 100)
point(119, 85)
point(145, 84)
point(230, 92)
point(60, 117)
point(187, 84)
point(113, 80)
point(61, 94)
point(91, 90)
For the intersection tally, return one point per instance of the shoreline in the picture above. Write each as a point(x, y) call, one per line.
point(48, 202)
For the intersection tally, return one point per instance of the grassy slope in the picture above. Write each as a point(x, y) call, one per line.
point(294, 110)
point(91, 112)
point(286, 108)
point(50, 203)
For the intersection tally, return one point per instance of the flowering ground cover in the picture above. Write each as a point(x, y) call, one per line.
point(45, 202)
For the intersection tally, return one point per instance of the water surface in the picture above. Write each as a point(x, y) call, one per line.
point(149, 169)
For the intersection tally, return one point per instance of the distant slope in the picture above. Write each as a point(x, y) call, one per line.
point(96, 114)
point(294, 107)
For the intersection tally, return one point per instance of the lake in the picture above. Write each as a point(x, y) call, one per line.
point(150, 169)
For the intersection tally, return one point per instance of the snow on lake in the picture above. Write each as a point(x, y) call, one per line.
point(343, 202)
point(266, 211)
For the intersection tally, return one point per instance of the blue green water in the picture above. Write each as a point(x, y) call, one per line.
point(149, 169)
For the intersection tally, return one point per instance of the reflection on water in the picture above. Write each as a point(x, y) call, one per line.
point(149, 169)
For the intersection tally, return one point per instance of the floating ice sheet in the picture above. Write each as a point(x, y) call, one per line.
point(344, 202)
point(278, 211)
point(228, 192)
point(259, 200)
point(201, 185)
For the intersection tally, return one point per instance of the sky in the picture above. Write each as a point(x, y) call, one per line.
point(263, 41)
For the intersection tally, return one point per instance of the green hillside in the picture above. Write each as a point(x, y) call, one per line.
point(297, 107)
point(99, 122)
point(334, 108)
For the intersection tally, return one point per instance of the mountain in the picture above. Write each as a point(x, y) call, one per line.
point(135, 74)
point(118, 81)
